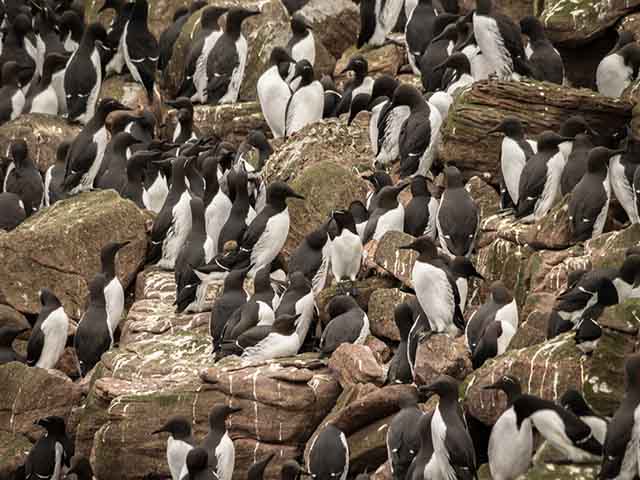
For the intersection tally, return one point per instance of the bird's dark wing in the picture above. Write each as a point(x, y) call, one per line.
point(254, 335)
point(258, 225)
point(583, 215)
point(223, 59)
point(532, 181)
point(458, 221)
point(619, 434)
point(35, 345)
point(341, 329)
point(367, 22)
point(415, 136)
point(143, 52)
point(79, 160)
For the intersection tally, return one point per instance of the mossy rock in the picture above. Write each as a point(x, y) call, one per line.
point(14, 449)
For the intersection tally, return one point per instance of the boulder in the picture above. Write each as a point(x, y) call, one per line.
point(59, 248)
point(540, 105)
point(574, 23)
point(14, 449)
point(398, 263)
point(11, 317)
point(382, 60)
point(441, 355)
point(381, 307)
point(515, 9)
point(624, 318)
point(356, 364)
point(380, 350)
point(486, 197)
point(43, 134)
point(548, 370)
point(264, 32)
point(128, 92)
point(33, 393)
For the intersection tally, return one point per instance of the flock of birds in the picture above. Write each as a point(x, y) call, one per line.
point(218, 220)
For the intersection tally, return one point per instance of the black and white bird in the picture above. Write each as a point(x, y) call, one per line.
point(576, 165)
point(227, 60)
point(500, 41)
point(500, 308)
point(399, 368)
point(437, 52)
point(185, 130)
point(346, 247)
point(435, 288)
point(83, 76)
point(12, 212)
point(328, 456)
point(622, 169)
point(425, 463)
point(113, 168)
point(196, 466)
point(173, 224)
point(419, 133)
point(570, 128)
point(452, 444)
point(378, 179)
point(360, 83)
point(18, 45)
point(8, 334)
point(232, 298)
point(617, 70)
point(421, 212)
point(463, 271)
point(573, 401)
point(348, 324)
point(546, 61)
point(565, 431)
point(360, 216)
point(262, 343)
point(509, 435)
point(306, 104)
point(12, 100)
point(312, 257)
point(403, 438)
point(71, 29)
point(461, 67)
point(122, 11)
point(274, 92)
point(619, 458)
point(86, 152)
point(49, 334)
point(589, 202)
point(179, 444)
point(241, 214)
point(51, 453)
point(43, 96)
point(194, 84)
point(23, 178)
point(515, 150)
point(140, 48)
point(388, 214)
point(458, 217)
point(197, 250)
point(298, 300)
point(588, 331)
point(93, 336)
point(419, 29)
point(218, 444)
point(170, 35)
point(301, 44)
point(54, 176)
point(113, 291)
point(332, 97)
point(540, 178)
point(217, 202)
point(378, 18)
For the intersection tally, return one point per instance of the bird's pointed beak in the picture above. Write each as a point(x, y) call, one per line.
point(297, 195)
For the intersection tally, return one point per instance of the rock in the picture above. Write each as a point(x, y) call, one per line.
point(11, 317)
point(624, 318)
point(43, 134)
point(382, 60)
point(356, 364)
point(630, 23)
point(442, 355)
point(264, 32)
point(548, 370)
point(465, 142)
point(576, 23)
point(128, 92)
point(485, 196)
point(33, 393)
point(380, 350)
point(13, 452)
point(398, 263)
point(381, 307)
point(550, 471)
point(230, 123)
point(336, 24)
point(515, 9)
point(59, 248)
point(554, 230)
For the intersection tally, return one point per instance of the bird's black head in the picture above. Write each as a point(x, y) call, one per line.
point(407, 95)
point(453, 177)
point(197, 460)
point(445, 387)
point(181, 11)
point(236, 16)
point(358, 65)
point(95, 32)
point(484, 7)
point(48, 298)
point(219, 414)
point(463, 267)
point(549, 140)
point(299, 25)
point(291, 469)
point(22, 24)
point(110, 5)
point(109, 251)
point(54, 62)
point(359, 104)
point(574, 125)
point(11, 74)
point(507, 384)
point(573, 401)
point(211, 15)
point(379, 179)
point(384, 86)
point(631, 55)
point(487, 346)
point(510, 126)
point(257, 139)
point(419, 186)
point(297, 281)
point(96, 288)
point(358, 211)
point(280, 191)
point(424, 246)
point(344, 219)
point(71, 21)
point(304, 70)
point(285, 324)
point(341, 304)
point(108, 105)
point(280, 55)
point(184, 116)
point(19, 151)
point(446, 28)
point(180, 103)
point(457, 61)
point(500, 294)
point(598, 158)
point(53, 424)
point(532, 27)
point(630, 270)
point(177, 427)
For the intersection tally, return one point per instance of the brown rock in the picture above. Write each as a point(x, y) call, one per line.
point(485, 196)
point(442, 355)
point(541, 106)
point(336, 24)
point(381, 307)
point(13, 318)
point(59, 248)
point(13, 452)
point(380, 350)
point(398, 263)
point(33, 393)
point(43, 134)
point(356, 364)
point(515, 9)
point(383, 60)
point(554, 230)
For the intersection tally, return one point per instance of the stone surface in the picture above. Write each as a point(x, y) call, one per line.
point(11, 317)
point(128, 92)
point(382, 60)
point(541, 106)
point(516, 9)
point(441, 355)
point(577, 22)
point(485, 196)
point(398, 263)
point(381, 307)
point(356, 364)
point(336, 24)
point(59, 248)
point(43, 134)
point(548, 370)
point(14, 449)
point(33, 393)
